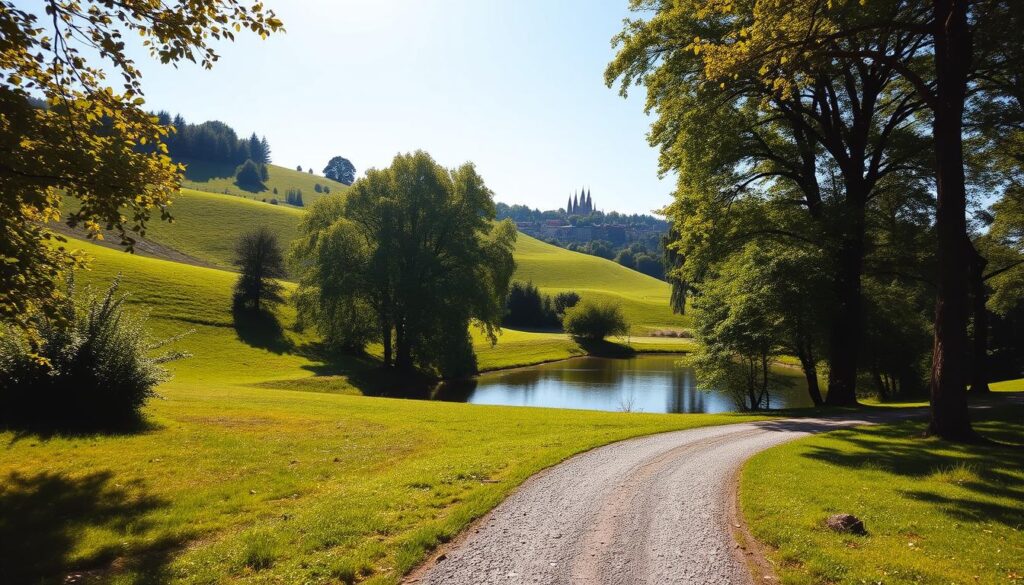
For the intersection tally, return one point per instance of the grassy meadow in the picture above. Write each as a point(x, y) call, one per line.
point(238, 477)
point(206, 226)
point(935, 512)
point(220, 178)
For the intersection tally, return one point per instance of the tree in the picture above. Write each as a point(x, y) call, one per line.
point(261, 262)
point(565, 300)
point(298, 168)
point(341, 170)
point(90, 142)
point(527, 307)
point(248, 175)
point(593, 320)
point(408, 257)
point(957, 54)
point(827, 148)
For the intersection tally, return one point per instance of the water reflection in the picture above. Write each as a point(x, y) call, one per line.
point(646, 383)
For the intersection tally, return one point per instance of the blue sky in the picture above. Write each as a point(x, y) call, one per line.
point(515, 87)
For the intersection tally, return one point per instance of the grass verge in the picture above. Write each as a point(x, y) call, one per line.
point(254, 485)
point(934, 512)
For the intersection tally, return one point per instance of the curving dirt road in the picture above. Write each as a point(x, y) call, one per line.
point(653, 509)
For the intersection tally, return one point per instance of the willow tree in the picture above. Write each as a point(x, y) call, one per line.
point(410, 257)
point(67, 129)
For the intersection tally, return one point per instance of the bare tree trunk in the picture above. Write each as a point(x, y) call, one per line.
point(949, 415)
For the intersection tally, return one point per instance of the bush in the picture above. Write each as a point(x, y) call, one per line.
point(595, 320)
point(248, 174)
point(565, 300)
point(92, 368)
point(526, 307)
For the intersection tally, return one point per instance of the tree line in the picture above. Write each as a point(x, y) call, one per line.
point(826, 155)
point(212, 141)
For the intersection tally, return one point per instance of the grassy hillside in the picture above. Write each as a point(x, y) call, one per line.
point(206, 226)
point(220, 178)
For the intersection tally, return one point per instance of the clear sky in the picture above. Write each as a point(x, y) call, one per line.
point(517, 87)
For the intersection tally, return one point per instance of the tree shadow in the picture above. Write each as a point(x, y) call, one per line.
point(605, 348)
point(202, 171)
point(260, 329)
point(43, 516)
point(252, 187)
point(989, 470)
point(46, 430)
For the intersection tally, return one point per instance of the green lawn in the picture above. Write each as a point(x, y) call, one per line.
point(934, 512)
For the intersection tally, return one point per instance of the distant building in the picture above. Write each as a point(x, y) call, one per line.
point(580, 203)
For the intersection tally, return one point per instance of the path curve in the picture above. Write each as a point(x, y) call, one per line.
point(652, 510)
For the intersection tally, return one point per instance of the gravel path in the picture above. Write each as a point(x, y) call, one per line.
point(653, 509)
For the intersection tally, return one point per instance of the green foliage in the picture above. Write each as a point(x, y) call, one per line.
point(341, 170)
point(249, 175)
point(260, 261)
point(93, 367)
point(528, 308)
point(564, 301)
point(411, 251)
point(737, 338)
point(595, 320)
point(87, 132)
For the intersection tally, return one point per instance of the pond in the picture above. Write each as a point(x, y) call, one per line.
point(645, 383)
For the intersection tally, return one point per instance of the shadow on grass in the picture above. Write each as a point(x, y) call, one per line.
point(337, 371)
point(989, 471)
point(202, 171)
point(135, 425)
point(605, 348)
point(252, 187)
point(43, 516)
point(260, 329)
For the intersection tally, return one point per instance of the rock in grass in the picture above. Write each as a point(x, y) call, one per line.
point(846, 523)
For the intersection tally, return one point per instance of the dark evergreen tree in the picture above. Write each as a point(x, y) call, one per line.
point(260, 260)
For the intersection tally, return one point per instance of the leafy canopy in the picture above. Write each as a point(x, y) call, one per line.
point(66, 129)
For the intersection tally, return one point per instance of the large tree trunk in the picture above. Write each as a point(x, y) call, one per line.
point(979, 361)
point(847, 322)
point(949, 415)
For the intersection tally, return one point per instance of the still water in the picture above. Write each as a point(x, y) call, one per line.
point(646, 383)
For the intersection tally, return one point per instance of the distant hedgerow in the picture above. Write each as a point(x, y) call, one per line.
point(92, 365)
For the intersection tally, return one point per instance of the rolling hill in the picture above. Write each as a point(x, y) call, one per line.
point(207, 224)
point(220, 178)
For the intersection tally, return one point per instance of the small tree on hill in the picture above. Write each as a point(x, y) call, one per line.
point(341, 170)
point(248, 174)
point(259, 257)
point(298, 168)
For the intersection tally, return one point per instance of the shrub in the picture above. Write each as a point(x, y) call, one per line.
point(565, 300)
point(595, 320)
point(248, 174)
point(525, 306)
point(90, 368)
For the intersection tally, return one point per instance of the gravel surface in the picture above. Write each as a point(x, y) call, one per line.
point(652, 510)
